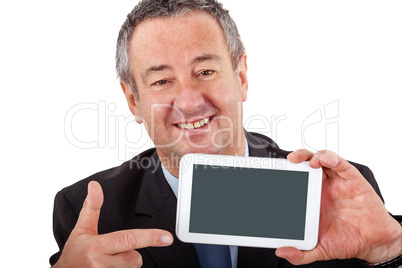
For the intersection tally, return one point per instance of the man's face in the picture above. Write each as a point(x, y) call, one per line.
point(189, 96)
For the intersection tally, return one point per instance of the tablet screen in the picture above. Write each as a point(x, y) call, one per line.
point(248, 202)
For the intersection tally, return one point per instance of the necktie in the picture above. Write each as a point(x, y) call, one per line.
point(213, 256)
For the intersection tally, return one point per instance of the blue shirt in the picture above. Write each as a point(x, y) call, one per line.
point(174, 184)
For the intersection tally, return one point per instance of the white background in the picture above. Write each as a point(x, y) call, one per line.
point(302, 56)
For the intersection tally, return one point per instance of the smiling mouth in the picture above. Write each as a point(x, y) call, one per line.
point(194, 125)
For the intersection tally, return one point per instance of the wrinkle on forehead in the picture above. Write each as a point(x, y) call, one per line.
point(154, 37)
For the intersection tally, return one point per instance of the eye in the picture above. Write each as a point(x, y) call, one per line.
point(159, 83)
point(206, 72)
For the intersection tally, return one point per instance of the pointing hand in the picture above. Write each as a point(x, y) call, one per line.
point(86, 248)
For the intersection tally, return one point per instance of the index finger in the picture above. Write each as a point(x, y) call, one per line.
point(299, 156)
point(126, 240)
point(331, 160)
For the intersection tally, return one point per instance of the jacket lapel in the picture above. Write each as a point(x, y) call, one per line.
point(157, 201)
point(261, 146)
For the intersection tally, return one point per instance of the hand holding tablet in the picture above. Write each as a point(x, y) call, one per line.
point(354, 222)
point(248, 201)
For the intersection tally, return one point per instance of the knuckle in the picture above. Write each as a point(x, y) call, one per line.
point(328, 152)
point(130, 240)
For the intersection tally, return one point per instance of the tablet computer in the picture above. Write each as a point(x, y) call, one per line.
point(248, 201)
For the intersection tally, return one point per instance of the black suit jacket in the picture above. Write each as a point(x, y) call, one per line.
point(136, 195)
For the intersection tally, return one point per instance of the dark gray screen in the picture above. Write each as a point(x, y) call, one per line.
point(248, 202)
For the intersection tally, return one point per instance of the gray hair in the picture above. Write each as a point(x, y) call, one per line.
point(147, 9)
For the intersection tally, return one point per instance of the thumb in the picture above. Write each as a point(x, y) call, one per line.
point(89, 216)
point(298, 257)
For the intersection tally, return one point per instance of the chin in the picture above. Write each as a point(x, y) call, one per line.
point(203, 150)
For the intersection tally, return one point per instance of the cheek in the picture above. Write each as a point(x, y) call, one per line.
point(160, 118)
point(157, 117)
point(226, 97)
point(154, 109)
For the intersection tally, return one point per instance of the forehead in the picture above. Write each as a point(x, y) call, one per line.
point(169, 40)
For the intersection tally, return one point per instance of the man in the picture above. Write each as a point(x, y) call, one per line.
point(183, 70)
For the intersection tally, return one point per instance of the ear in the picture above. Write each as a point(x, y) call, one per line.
point(131, 101)
point(242, 70)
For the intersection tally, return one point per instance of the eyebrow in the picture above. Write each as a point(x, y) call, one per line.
point(207, 57)
point(153, 69)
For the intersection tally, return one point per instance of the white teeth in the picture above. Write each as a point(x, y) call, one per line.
point(198, 124)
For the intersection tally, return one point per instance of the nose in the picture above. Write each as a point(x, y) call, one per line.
point(188, 98)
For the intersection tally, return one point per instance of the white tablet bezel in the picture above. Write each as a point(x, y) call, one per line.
point(184, 201)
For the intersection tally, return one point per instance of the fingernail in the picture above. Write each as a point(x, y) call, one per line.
point(166, 239)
